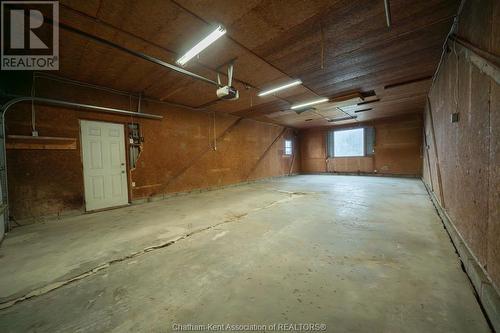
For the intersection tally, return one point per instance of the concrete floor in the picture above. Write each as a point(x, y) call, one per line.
point(357, 254)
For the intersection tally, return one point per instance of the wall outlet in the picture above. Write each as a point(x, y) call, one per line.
point(133, 184)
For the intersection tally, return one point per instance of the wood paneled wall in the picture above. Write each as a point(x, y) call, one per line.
point(179, 152)
point(398, 149)
point(462, 164)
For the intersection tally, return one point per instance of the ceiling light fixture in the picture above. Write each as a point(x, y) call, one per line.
point(203, 44)
point(285, 86)
point(317, 101)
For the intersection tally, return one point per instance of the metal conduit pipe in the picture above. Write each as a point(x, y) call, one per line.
point(58, 78)
point(54, 77)
point(57, 102)
point(137, 54)
point(6, 107)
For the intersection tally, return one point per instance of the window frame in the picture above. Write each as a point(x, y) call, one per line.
point(285, 147)
point(368, 131)
point(350, 129)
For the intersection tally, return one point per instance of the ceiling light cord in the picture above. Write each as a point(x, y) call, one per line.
point(215, 133)
point(445, 45)
point(33, 112)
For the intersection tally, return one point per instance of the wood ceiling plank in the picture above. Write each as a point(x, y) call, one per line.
point(368, 81)
point(211, 11)
point(272, 42)
point(346, 28)
point(414, 61)
point(161, 22)
point(306, 66)
point(270, 19)
point(88, 7)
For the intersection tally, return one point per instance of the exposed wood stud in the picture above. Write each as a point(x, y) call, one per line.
point(487, 63)
point(434, 144)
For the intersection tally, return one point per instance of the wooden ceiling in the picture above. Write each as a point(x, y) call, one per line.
point(335, 47)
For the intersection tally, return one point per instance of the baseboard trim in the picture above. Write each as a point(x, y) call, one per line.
point(370, 174)
point(486, 291)
point(164, 196)
point(79, 212)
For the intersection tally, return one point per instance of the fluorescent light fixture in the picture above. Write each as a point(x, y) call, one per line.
point(203, 44)
point(317, 101)
point(285, 86)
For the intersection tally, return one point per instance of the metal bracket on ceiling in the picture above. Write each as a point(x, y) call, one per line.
point(230, 71)
point(227, 92)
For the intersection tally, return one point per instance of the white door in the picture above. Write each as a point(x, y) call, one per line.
point(104, 170)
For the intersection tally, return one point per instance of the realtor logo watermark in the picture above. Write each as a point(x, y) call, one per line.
point(30, 35)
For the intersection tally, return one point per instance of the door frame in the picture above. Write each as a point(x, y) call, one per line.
point(127, 166)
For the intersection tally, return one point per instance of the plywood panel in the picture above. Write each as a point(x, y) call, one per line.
point(351, 164)
point(493, 256)
point(178, 152)
point(332, 46)
point(493, 261)
point(398, 149)
point(465, 153)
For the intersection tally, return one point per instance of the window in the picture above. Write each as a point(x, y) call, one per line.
point(351, 142)
point(288, 147)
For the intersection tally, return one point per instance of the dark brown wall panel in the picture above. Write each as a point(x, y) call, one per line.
point(398, 147)
point(178, 153)
point(463, 155)
point(493, 255)
point(313, 151)
point(350, 164)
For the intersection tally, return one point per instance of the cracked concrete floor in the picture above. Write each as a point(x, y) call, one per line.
point(355, 253)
